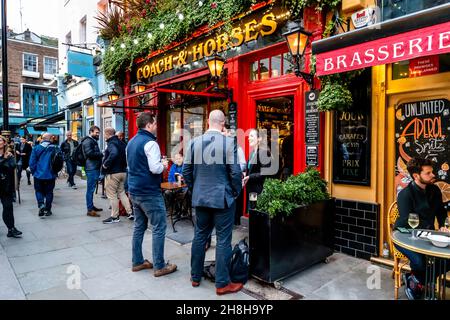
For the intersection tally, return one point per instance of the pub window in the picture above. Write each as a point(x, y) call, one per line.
point(422, 66)
point(50, 65)
point(30, 62)
point(391, 9)
point(271, 67)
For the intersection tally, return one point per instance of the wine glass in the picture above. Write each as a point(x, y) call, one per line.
point(413, 221)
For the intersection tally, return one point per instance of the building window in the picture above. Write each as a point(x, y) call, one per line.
point(271, 67)
point(38, 102)
point(50, 67)
point(391, 9)
point(83, 31)
point(30, 62)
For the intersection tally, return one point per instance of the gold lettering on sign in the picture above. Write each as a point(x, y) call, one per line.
point(267, 25)
point(249, 27)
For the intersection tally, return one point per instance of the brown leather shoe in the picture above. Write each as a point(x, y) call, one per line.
point(146, 265)
point(92, 213)
point(195, 283)
point(230, 288)
point(168, 268)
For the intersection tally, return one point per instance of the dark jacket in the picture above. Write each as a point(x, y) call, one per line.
point(211, 170)
point(26, 158)
point(426, 203)
point(92, 153)
point(41, 161)
point(65, 148)
point(141, 181)
point(258, 169)
point(7, 177)
point(115, 160)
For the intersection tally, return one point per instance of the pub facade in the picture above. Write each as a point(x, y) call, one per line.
point(401, 110)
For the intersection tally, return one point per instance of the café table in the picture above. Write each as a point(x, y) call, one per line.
point(177, 211)
point(436, 261)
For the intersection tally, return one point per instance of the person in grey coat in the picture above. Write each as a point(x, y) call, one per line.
point(212, 173)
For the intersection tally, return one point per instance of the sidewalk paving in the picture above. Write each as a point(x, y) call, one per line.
point(44, 263)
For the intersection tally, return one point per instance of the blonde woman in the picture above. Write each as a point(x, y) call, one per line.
point(7, 187)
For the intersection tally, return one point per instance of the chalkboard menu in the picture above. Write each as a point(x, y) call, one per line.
point(422, 129)
point(311, 118)
point(351, 156)
point(232, 115)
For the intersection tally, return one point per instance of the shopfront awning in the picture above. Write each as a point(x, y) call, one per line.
point(33, 131)
point(419, 34)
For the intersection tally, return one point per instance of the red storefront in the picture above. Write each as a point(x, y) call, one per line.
point(258, 78)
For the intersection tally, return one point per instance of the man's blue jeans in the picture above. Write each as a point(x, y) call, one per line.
point(92, 178)
point(416, 262)
point(71, 171)
point(207, 219)
point(44, 192)
point(149, 208)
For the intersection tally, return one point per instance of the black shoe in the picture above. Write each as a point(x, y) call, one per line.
point(14, 233)
point(29, 183)
point(111, 220)
point(130, 217)
point(97, 209)
point(48, 213)
point(41, 211)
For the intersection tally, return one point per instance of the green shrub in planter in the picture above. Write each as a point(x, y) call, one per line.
point(334, 96)
point(282, 197)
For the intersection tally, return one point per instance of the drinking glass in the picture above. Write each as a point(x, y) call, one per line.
point(253, 198)
point(413, 221)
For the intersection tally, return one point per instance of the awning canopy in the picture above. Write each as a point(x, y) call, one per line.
point(415, 35)
point(33, 131)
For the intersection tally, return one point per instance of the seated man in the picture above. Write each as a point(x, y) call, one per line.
point(421, 196)
point(175, 170)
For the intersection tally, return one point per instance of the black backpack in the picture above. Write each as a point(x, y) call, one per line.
point(57, 160)
point(78, 156)
point(240, 264)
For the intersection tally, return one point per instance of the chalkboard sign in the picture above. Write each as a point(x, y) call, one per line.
point(312, 156)
point(422, 129)
point(311, 118)
point(232, 116)
point(351, 156)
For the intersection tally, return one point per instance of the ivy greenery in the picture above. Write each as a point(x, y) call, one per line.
point(282, 197)
point(134, 41)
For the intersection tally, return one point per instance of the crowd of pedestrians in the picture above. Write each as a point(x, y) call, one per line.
point(132, 174)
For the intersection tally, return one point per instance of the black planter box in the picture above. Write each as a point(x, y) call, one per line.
point(282, 246)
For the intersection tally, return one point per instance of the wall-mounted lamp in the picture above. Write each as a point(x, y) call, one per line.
point(298, 39)
point(215, 65)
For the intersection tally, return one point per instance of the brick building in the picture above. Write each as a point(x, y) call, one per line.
point(32, 88)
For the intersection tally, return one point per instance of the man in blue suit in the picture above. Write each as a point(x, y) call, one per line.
point(212, 172)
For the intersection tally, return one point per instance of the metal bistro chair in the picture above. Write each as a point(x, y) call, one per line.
point(400, 260)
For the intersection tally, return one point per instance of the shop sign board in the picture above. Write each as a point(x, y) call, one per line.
point(351, 149)
point(312, 119)
point(250, 30)
point(422, 42)
point(312, 156)
point(80, 64)
point(365, 17)
point(422, 129)
point(423, 66)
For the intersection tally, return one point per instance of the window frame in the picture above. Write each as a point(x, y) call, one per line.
point(49, 76)
point(28, 73)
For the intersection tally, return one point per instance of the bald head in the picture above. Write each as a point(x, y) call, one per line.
point(109, 132)
point(216, 120)
point(47, 136)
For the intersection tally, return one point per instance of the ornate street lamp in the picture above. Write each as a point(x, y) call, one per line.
point(113, 96)
point(298, 39)
point(139, 87)
point(215, 65)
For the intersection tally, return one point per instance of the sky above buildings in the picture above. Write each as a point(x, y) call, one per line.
point(40, 16)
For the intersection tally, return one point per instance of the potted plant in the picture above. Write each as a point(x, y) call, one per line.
point(292, 227)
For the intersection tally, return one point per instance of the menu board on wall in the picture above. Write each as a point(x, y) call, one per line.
point(422, 129)
point(312, 119)
point(351, 156)
point(232, 116)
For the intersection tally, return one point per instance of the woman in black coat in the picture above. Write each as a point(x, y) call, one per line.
point(258, 165)
point(23, 154)
point(7, 187)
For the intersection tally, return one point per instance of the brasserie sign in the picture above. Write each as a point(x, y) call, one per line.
point(249, 29)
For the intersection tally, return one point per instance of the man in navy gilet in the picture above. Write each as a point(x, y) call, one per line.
point(144, 185)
